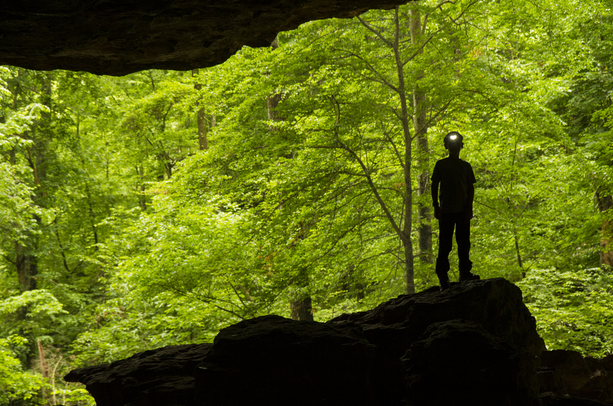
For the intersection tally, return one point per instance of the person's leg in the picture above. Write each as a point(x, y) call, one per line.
point(445, 241)
point(462, 237)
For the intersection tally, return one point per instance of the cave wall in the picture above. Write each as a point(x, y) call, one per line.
point(116, 37)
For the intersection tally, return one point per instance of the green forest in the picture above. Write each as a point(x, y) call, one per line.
point(159, 207)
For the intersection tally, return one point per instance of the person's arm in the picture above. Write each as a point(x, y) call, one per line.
point(468, 210)
point(434, 190)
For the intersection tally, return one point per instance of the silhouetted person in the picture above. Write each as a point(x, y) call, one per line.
point(456, 179)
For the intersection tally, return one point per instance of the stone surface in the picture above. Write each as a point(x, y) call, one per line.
point(117, 37)
point(474, 344)
point(157, 377)
point(567, 373)
point(275, 361)
point(494, 304)
point(572, 402)
point(457, 362)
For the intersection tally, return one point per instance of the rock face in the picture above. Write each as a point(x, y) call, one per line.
point(494, 304)
point(474, 344)
point(116, 37)
point(457, 362)
point(282, 362)
point(567, 373)
point(158, 377)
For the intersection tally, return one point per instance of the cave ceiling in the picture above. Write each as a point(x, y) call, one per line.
point(117, 37)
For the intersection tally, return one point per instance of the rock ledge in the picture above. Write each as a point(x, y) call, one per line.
point(115, 37)
point(475, 343)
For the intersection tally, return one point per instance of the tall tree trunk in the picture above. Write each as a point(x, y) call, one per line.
point(92, 219)
point(301, 305)
point(203, 131)
point(27, 267)
point(272, 101)
point(420, 128)
point(520, 262)
point(36, 154)
point(26, 261)
point(203, 141)
point(405, 236)
point(605, 205)
point(301, 309)
point(142, 199)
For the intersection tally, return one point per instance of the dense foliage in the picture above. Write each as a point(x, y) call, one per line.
point(160, 207)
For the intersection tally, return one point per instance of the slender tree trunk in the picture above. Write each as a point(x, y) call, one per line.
point(420, 128)
point(26, 248)
point(26, 261)
point(92, 214)
point(520, 262)
point(300, 306)
point(605, 205)
point(142, 199)
point(27, 267)
point(203, 130)
point(358, 277)
point(405, 236)
point(203, 141)
point(273, 101)
point(41, 135)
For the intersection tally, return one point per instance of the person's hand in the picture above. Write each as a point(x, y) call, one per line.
point(468, 214)
point(437, 213)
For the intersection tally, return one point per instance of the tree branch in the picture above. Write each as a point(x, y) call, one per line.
point(372, 185)
point(371, 68)
point(377, 33)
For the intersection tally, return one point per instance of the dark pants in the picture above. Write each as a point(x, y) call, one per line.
point(462, 237)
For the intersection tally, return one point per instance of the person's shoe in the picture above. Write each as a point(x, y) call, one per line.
point(444, 282)
point(469, 276)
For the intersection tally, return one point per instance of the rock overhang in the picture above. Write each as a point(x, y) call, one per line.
point(117, 37)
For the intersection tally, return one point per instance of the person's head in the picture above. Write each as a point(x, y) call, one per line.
point(454, 141)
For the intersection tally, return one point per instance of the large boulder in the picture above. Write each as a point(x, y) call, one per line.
point(474, 344)
point(457, 362)
point(276, 361)
point(494, 304)
point(164, 376)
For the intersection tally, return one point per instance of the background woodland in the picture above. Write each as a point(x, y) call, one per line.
point(157, 208)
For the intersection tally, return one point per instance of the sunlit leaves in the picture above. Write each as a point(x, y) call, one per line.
point(572, 308)
point(16, 383)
